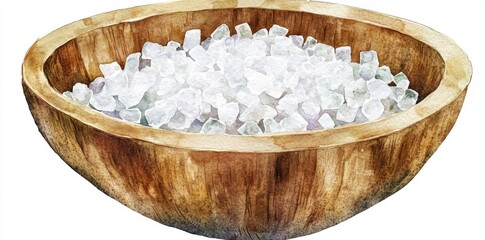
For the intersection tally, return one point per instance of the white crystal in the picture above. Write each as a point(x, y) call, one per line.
point(189, 101)
point(228, 112)
point(384, 73)
point(116, 84)
point(110, 69)
point(263, 32)
point(409, 100)
point(271, 126)
point(131, 115)
point(325, 51)
point(244, 31)
point(372, 108)
point(168, 85)
point(180, 121)
point(97, 85)
point(257, 82)
point(192, 39)
point(297, 40)
point(346, 113)
point(311, 108)
point(343, 54)
point(310, 42)
point(356, 93)
point(234, 71)
point(288, 104)
point(201, 56)
point(161, 113)
point(326, 121)
point(221, 32)
point(81, 93)
point(277, 30)
point(378, 89)
point(331, 100)
point(214, 97)
point(151, 50)
point(294, 122)
point(257, 112)
point(250, 128)
point(103, 102)
point(213, 126)
point(246, 98)
point(397, 93)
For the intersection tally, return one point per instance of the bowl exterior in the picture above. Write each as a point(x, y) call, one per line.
point(244, 195)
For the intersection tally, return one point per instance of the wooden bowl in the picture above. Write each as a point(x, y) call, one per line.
point(245, 187)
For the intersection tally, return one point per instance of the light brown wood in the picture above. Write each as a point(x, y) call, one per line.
point(272, 186)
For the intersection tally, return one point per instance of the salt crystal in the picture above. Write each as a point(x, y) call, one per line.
point(81, 93)
point(390, 107)
point(180, 121)
point(221, 32)
point(378, 89)
point(200, 55)
point(257, 112)
point(325, 51)
point(271, 126)
point(250, 128)
point(297, 40)
point(291, 80)
point(343, 54)
point(244, 31)
point(206, 43)
point(214, 97)
point(277, 30)
point(234, 71)
point(97, 85)
point(311, 108)
point(326, 121)
point(310, 42)
point(189, 101)
point(384, 73)
point(276, 90)
point(294, 122)
point(116, 84)
point(173, 44)
point(131, 115)
point(263, 32)
point(288, 104)
point(110, 70)
point(103, 102)
point(369, 57)
point(372, 108)
point(168, 85)
point(161, 113)
point(213, 126)
point(228, 112)
point(409, 100)
point(356, 93)
point(245, 97)
point(397, 93)
point(346, 113)
point(192, 39)
point(331, 100)
point(151, 50)
point(245, 83)
point(257, 82)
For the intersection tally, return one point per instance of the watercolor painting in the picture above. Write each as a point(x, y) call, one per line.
point(228, 166)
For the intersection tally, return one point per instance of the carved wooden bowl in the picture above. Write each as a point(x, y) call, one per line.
point(270, 186)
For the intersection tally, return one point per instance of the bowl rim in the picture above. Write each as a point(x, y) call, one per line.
point(456, 77)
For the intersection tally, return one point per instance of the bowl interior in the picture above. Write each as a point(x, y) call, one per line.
point(78, 59)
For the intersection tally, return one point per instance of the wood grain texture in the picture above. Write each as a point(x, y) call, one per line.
point(270, 186)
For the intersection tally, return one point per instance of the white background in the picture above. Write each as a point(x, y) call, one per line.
point(42, 198)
